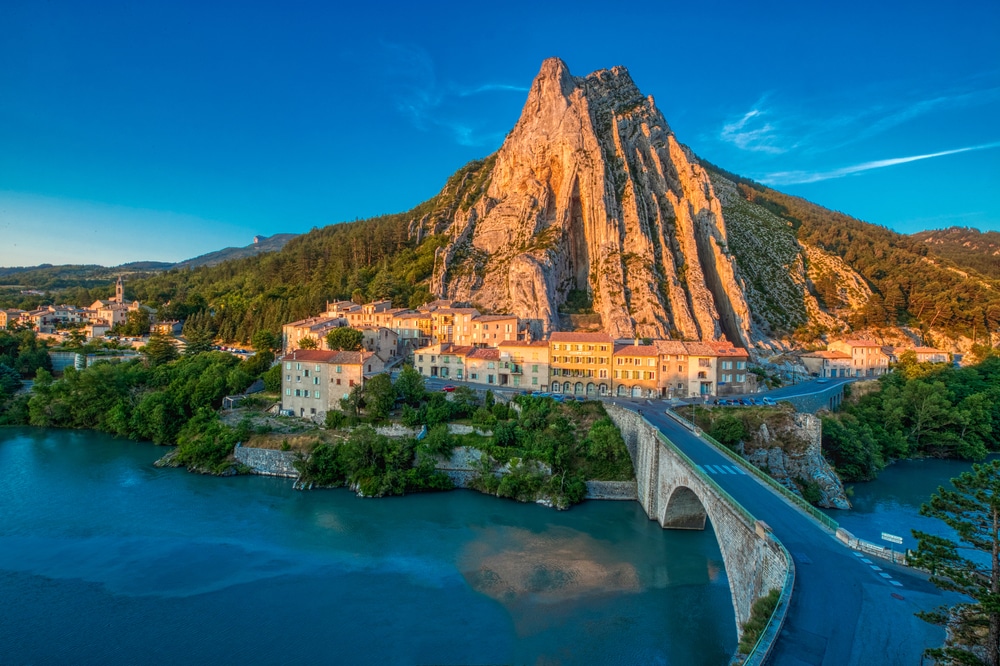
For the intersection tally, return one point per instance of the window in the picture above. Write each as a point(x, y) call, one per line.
point(603, 374)
point(534, 368)
point(490, 365)
point(288, 378)
point(298, 366)
point(350, 382)
point(288, 366)
point(741, 365)
point(727, 365)
point(727, 378)
point(338, 381)
point(288, 391)
point(534, 381)
point(316, 394)
point(741, 378)
point(420, 358)
point(651, 363)
point(315, 380)
point(680, 368)
point(338, 369)
point(317, 368)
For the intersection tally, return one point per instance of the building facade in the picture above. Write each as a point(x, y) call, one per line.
point(580, 363)
point(867, 357)
point(315, 381)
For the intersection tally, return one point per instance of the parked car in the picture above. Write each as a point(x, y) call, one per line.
point(768, 401)
point(822, 380)
point(560, 398)
point(448, 389)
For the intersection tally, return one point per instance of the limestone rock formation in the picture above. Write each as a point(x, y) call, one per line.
point(789, 448)
point(592, 192)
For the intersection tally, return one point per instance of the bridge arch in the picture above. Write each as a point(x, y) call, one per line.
point(684, 510)
point(677, 495)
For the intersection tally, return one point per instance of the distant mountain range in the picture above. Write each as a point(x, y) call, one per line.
point(50, 276)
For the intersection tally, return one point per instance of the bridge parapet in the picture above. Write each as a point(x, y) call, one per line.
point(674, 492)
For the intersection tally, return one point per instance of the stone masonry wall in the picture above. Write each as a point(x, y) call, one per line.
point(267, 462)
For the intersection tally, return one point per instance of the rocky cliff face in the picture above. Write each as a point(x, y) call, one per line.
point(789, 449)
point(592, 192)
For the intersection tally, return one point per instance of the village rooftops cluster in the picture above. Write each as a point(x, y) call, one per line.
point(592, 364)
point(99, 318)
point(863, 358)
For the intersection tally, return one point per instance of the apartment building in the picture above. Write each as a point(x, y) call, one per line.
point(580, 363)
point(314, 328)
point(491, 330)
point(314, 381)
point(636, 371)
point(382, 341)
point(8, 317)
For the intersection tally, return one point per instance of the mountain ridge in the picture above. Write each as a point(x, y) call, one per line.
point(594, 180)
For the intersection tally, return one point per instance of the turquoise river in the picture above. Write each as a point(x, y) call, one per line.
point(105, 559)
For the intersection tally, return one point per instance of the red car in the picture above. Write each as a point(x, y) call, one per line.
point(448, 389)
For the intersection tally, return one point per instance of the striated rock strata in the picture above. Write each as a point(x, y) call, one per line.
point(592, 192)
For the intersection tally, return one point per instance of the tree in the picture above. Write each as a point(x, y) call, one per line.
point(159, 350)
point(264, 341)
point(272, 379)
point(344, 338)
point(410, 386)
point(199, 341)
point(972, 509)
point(308, 343)
point(136, 323)
point(380, 396)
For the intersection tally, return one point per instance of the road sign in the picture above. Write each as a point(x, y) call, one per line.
point(892, 538)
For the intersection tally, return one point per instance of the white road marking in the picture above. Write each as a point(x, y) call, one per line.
point(885, 575)
point(876, 568)
point(866, 560)
point(896, 583)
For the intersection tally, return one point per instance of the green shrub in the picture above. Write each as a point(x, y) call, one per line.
point(760, 614)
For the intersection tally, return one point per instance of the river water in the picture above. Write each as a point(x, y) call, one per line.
point(107, 559)
point(891, 503)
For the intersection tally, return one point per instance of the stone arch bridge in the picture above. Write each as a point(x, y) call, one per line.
point(675, 493)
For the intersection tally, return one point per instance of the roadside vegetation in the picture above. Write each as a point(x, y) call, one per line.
point(919, 410)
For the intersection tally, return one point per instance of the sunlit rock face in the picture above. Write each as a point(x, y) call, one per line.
point(592, 192)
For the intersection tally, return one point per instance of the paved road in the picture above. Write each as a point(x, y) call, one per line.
point(845, 609)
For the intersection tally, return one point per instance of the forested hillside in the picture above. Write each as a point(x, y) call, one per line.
point(967, 247)
point(376, 258)
point(911, 285)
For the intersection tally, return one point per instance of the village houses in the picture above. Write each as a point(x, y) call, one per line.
point(315, 381)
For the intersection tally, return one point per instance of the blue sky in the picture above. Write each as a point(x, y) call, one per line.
point(163, 130)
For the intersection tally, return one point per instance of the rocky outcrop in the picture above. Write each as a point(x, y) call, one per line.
point(591, 191)
point(788, 447)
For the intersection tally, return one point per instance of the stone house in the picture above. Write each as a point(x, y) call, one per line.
point(524, 365)
point(382, 341)
point(314, 328)
point(314, 381)
point(827, 363)
point(8, 317)
point(444, 360)
point(867, 357)
point(732, 376)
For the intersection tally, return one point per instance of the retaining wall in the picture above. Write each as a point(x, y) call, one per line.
point(267, 462)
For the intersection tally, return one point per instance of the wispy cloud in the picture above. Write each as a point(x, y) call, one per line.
point(410, 79)
point(802, 177)
point(753, 132)
point(822, 125)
